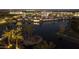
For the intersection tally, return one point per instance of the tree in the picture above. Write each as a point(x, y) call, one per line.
point(17, 37)
point(12, 36)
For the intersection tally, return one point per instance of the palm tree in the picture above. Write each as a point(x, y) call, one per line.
point(17, 37)
point(8, 35)
point(11, 35)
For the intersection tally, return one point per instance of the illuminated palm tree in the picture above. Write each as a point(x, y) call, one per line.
point(8, 35)
point(12, 36)
point(17, 37)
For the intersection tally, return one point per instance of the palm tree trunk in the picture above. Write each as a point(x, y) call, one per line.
point(8, 41)
point(17, 46)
